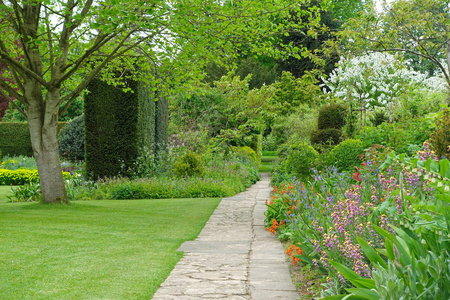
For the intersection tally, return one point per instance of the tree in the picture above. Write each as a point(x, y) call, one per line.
point(66, 44)
point(417, 28)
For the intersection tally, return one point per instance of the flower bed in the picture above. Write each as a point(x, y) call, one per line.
point(372, 230)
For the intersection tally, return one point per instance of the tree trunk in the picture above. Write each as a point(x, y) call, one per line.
point(42, 123)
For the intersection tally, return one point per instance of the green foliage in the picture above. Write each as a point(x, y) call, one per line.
point(246, 153)
point(416, 29)
point(299, 160)
point(18, 162)
point(290, 93)
point(332, 115)
point(440, 138)
point(401, 137)
point(161, 123)
point(30, 192)
point(116, 128)
point(18, 177)
point(21, 176)
point(15, 138)
point(326, 136)
point(71, 140)
point(346, 155)
point(188, 165)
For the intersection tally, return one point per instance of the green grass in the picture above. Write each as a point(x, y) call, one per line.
point(94, 249)
point(267, 162)
point(269, 153)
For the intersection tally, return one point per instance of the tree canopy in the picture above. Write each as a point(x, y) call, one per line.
point(65, 44)
point(419, 29)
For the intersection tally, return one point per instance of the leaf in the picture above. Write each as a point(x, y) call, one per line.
point(443, 167)
point(366, 293)
point(371, 254)
point(353, 277)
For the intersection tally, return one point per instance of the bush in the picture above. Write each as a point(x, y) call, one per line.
point(401, 137)
point(299, 161)
point(332, 116)
point(21, 176)
point(189, 164)
point(246, 152)
point(18, 177)
point(440, 138)
point(71, 140)
point(326, 136)
point(346, 155)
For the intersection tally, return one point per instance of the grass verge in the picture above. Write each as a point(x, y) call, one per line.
point(94, 249)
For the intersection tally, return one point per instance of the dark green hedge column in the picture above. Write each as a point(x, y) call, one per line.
point(118, 125)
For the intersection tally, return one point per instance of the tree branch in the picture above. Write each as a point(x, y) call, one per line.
point(19, 67)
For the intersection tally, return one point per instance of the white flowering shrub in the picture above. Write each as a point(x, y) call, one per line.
point(376, 80)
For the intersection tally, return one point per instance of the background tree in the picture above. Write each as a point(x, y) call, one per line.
point(66, 44)
point(420, 29)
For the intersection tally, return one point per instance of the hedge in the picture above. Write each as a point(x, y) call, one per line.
point(15, 138)
point(22, 176)
point(119, 125)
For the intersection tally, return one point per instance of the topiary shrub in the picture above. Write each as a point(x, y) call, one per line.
point(71, 140)
point(345, 156)
point(299, 161)
point(332, 116)
point(326, 136)
point(188, 165)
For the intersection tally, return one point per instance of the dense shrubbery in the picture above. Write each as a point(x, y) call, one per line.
point(332, 115)
point(403, 137)
point(71, 140)
point(188, 165)
point(346, 155)
point(326, 136)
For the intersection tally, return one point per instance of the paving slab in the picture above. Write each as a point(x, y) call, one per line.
point(234, 257)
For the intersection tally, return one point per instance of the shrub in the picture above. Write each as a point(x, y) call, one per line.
point(18, 177)
point(189, 164)
point(401, 137)
point(71, 140)
point(332, 116)
point(1, 156)
point(21, 176)
point(346, 155)
point(326, 136)
point(440, 138)
point(246, 152)
point(299, 161)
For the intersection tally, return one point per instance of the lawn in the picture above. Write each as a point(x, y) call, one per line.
point(94, 249)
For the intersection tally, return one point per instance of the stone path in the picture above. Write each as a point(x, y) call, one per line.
point(234, 257)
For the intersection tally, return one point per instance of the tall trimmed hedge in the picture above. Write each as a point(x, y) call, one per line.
point(161, 123)
point(119, 125)
point(15, 138)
